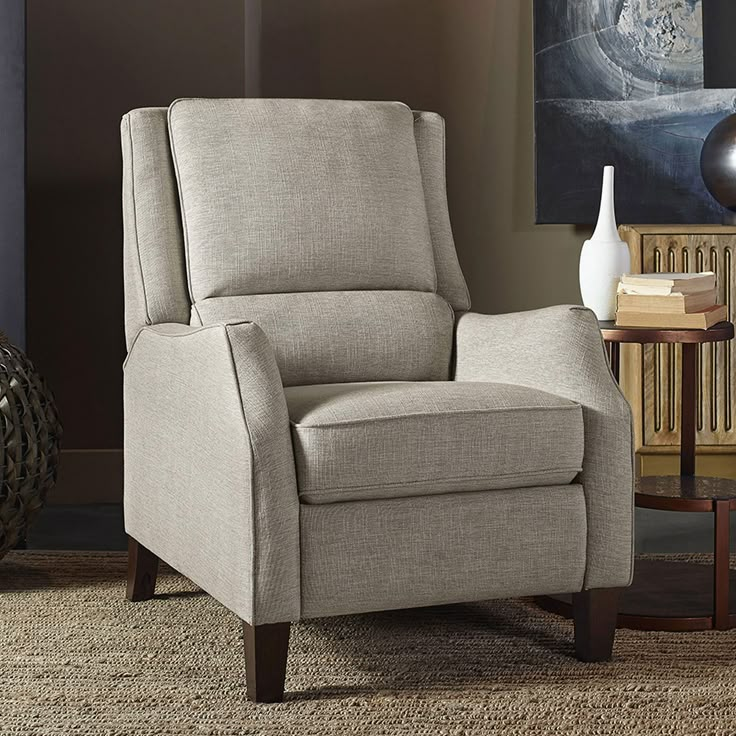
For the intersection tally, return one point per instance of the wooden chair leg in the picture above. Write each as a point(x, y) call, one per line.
point(266, 651)
point(142, 571)
point(595, 613)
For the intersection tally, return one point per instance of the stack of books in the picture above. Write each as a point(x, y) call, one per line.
point(669, 300)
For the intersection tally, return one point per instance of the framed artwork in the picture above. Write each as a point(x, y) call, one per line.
point(621, 82)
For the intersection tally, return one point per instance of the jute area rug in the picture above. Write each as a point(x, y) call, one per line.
point(76, 658)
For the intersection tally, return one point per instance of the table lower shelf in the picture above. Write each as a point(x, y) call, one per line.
point(666, 595)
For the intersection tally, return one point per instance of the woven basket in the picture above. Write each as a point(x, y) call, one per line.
point(29, 444)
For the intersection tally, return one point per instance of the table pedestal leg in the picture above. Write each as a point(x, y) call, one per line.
point(613, 351)
point(616, 360)
point(687, 408)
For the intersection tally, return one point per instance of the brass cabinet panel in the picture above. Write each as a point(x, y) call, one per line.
point(655, 391)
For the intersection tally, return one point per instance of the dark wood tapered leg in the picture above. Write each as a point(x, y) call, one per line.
point(266, 651)
point(595, 613)
point(142, 571)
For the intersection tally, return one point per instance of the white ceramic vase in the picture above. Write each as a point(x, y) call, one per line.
point(604, 258)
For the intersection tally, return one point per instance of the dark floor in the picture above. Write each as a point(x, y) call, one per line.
point(100, 526)
point(89, 526)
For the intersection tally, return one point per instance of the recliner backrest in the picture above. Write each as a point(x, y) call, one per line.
point(324, 221)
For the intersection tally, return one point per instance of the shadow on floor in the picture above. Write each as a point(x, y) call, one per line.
point(97, 526)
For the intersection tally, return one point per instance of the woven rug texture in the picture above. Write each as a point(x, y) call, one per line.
point(77, 659)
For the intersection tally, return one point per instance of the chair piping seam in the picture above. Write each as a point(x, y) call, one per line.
point(129, 125)
point(425, 415)
point(531, 473)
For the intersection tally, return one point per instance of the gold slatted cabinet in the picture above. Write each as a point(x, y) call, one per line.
point(650, 376)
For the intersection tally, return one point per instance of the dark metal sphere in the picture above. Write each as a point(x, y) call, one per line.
point(718, 162)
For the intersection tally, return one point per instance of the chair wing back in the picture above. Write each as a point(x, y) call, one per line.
point(153, 246)
point(323, 221)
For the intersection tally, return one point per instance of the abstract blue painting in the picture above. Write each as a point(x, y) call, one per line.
point(621, 82)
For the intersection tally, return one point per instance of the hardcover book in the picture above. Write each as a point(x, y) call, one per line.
point(695, 321)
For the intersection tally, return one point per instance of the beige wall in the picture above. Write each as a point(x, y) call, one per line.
point(472, 61)
point(487, 83)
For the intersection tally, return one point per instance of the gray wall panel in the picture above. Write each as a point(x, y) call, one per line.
point(12, 169)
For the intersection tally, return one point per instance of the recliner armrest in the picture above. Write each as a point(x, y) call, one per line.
point(560, 350)
point(210, 483)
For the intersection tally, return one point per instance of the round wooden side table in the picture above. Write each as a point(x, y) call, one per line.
point(669, 595)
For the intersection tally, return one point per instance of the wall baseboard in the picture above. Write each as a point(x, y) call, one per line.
point(89, 476)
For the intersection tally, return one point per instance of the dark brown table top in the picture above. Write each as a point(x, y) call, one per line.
point(645, 335)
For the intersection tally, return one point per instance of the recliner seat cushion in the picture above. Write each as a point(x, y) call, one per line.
point(300, 195)
point(394, 439)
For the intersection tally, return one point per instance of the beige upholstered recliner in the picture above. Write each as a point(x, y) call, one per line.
point(315, 424)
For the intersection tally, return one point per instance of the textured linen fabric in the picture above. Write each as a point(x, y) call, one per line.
point(429, 132)
point(153, 246)
point(401, 553)
point(560, 350)
point(209, 471)
point(336, 336)
point(311, 217)
point(300, 195)
point(389, 440)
